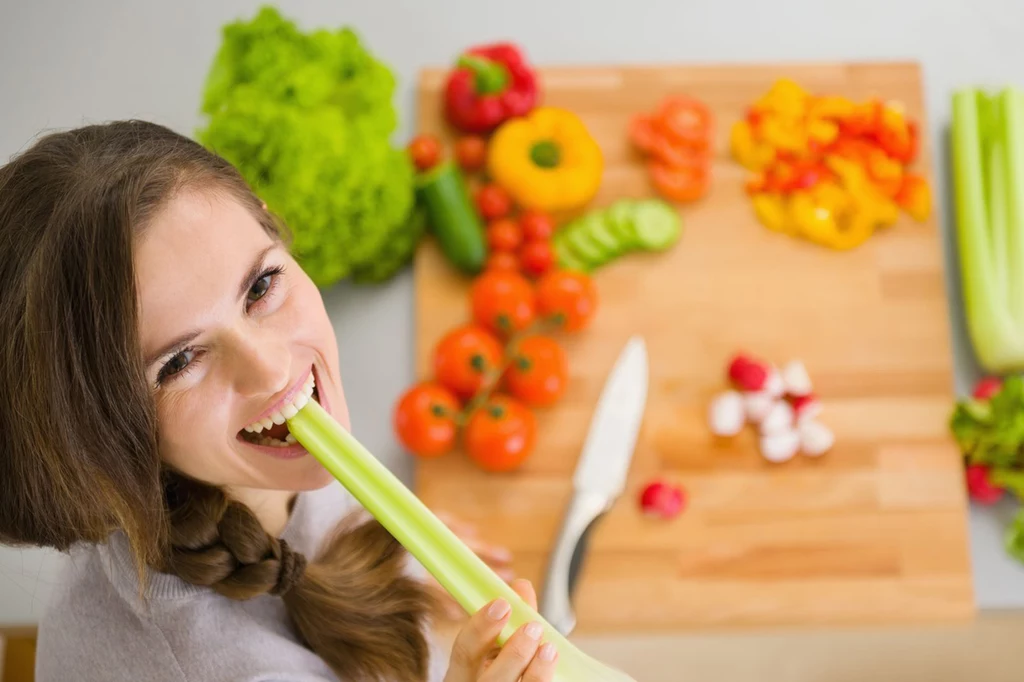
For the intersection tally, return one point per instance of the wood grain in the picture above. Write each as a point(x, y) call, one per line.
point(875, 532)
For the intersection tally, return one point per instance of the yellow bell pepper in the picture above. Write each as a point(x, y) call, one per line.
point(547, 160)
point(748, 151)
point(771, 211)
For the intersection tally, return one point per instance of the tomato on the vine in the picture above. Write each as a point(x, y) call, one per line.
point(504, 234)
point(424, 420)
point(425, 151)
point(537, 257)
point(539, 371)
point(471, 152)
point(500, 435)
point(569, 297)
point(536, 225)
point(465, 358)
point(493, 202)
point(502, 301)
point(502, 260)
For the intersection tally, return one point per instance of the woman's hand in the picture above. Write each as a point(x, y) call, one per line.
point(498, 558)
point(523, 657)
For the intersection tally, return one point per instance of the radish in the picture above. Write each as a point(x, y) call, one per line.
point(806, 407)
point(778, 419)
point(796, 379)
point(987, 388)
point(781, 446)
point(980, 485)
point(758, 405)
point(815, 438)
point(727, 414)
point(748, 374)
point(662, 499)
point(774, 385)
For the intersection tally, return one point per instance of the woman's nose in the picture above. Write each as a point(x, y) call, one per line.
point(262, 365)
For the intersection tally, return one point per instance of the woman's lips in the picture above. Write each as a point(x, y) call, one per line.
point(296, 450)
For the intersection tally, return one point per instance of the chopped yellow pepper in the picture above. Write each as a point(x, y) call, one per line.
point(547, 160)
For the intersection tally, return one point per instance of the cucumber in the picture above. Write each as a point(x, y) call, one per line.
point(567, 259)
point(452, 216)
point(657, 224)
point(596, 225)
point(582, 245)
point(619, 217)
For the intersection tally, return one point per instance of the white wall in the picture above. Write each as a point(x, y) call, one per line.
point(64, 63)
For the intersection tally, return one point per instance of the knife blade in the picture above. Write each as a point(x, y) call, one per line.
point(600, 477)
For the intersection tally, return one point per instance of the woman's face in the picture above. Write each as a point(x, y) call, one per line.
point(232, 329)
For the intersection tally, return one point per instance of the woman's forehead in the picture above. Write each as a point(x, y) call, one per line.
point(190, 260)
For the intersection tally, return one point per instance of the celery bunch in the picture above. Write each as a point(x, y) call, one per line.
point(988, 173)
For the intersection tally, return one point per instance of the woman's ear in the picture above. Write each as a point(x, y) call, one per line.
point(264, 204)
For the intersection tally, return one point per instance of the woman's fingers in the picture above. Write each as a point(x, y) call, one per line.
point(524, 588)
point(515, 656)
point(475, 641)
point(542, 667)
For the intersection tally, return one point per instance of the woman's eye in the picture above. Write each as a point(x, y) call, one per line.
point(260, 288)
point(177, 364)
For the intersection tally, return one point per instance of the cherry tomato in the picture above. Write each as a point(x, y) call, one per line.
point(536, 258)
point(502, 260)
point(568, 296)
point(493, 202)
point(500, 435)
point(539, 371)
point(536, 225)
point(471, 152)
point(504, 235)
point(424, 420)
point(425, 151)
point(465, 358)
point(502, 301)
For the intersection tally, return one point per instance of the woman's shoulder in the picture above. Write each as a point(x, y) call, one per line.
point(100, 626)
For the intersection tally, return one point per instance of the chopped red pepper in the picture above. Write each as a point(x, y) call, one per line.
point(491, 84)
point(915, 196)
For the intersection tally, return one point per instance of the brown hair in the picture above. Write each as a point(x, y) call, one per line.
point(78, 432)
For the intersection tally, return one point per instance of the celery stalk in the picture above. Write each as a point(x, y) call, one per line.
point(988, 176)
point(455, 566)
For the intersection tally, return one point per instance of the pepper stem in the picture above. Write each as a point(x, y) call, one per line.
point(546, 154)
point(489, 77)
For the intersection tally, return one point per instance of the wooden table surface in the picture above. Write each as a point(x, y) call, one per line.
point(874, 532)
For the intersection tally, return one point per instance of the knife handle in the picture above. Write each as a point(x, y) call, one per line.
point(556, 602)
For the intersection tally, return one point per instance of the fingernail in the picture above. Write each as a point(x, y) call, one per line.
point(499, 609)
point(548, 652)
point(534, 631)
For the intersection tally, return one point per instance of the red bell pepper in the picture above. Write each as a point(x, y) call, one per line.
point(491, 84)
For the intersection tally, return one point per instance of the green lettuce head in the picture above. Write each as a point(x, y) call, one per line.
point(307, 119)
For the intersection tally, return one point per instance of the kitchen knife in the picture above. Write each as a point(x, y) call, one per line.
point(600, 477)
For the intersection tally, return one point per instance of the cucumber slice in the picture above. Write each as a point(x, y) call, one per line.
point(596, 225)
point(619, 217)
point(567, 259)
point(583, 246)
point(657, 224)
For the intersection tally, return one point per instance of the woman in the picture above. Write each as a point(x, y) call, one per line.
point(156, 335)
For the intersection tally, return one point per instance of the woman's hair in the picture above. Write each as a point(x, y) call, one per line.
point(78, 430)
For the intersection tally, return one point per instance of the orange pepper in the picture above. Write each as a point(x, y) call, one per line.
point(915, 197)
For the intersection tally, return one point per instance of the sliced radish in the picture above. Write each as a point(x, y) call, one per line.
point(662, 499)
point(774, 384)
point(987, 387)
point(815, 438)
point(781, 446)
point(806, 407)
point(758, 405)
point(748, 374)
point(796, 379)
point(727, 414)
point(778, 419)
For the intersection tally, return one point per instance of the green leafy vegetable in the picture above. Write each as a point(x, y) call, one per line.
point(988, 170)
point(991, 432)
point(307, 119)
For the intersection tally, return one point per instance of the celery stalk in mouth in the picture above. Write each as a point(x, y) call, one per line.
point(455, 566)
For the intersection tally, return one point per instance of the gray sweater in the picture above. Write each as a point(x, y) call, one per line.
point(98, 629)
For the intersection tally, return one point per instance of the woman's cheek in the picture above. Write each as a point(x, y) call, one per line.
point(191, 426)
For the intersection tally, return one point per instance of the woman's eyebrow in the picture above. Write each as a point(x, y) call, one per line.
point(174, 346)
point(254, 272)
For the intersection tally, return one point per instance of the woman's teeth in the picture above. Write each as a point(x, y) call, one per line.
point(282, 415)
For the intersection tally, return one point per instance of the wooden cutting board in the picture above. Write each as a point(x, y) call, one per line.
point(874, 532)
